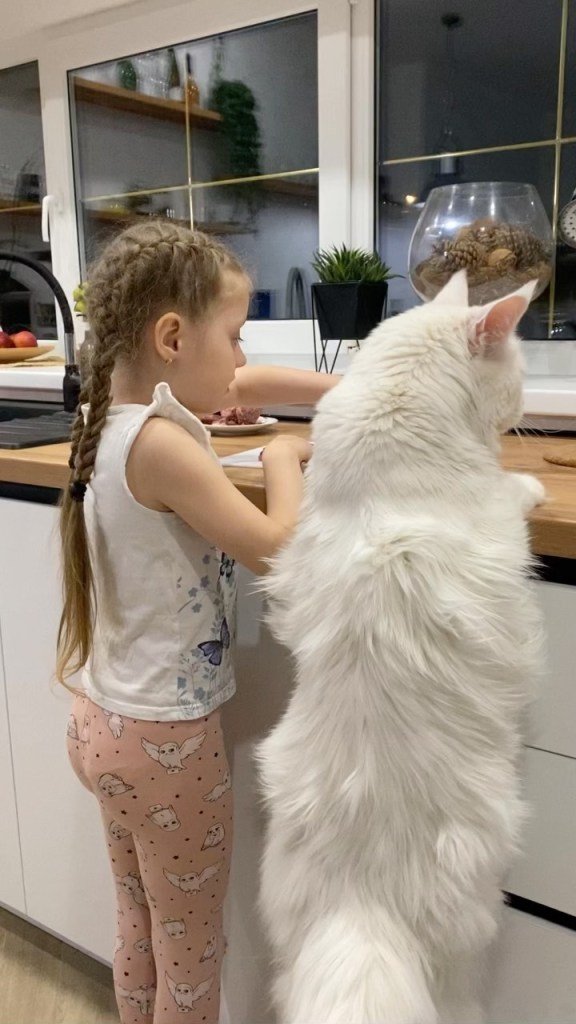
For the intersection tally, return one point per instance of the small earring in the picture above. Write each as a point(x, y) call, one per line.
point(168, 362)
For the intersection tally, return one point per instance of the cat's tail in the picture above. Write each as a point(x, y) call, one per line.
point(355, 967)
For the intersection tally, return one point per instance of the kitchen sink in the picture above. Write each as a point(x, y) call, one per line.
point(31, 424)
point(11, 409)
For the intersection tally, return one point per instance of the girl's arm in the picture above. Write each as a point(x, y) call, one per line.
point(267, 385)
point(169, 472)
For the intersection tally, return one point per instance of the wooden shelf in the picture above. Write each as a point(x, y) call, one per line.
point(23, 209)
point(119, 216)
point(278, 186)
point(223, 228)
point(112, 216)
point(115, 98)
point(289, 187)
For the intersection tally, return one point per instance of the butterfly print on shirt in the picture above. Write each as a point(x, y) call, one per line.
point(213, 650)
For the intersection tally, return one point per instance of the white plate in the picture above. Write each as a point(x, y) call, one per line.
point(239, 429)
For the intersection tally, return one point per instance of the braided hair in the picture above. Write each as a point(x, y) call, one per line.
point(143, 270)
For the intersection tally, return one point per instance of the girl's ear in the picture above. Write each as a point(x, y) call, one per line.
point(166, 333)
point(455, 293)
point(492, 324)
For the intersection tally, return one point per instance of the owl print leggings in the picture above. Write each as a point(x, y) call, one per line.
point(166, 803)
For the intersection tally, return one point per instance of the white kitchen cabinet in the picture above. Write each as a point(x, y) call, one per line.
point(531, 977)
point(11, 882)
point(67, 878)
point(546, 870)
point(67, 881)
point(553, 715)
point(66, 884)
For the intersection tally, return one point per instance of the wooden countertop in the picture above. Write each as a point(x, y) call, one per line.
point(553, 525)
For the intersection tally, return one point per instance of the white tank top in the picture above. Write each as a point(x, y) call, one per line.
point(165, 598)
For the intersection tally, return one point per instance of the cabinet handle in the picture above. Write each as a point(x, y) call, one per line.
point(47, 202)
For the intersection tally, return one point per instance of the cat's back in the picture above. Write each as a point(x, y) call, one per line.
point(410, 529)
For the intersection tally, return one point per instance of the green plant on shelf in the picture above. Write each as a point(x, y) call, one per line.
point(235, 102)
point(340, 264)
point(127, 77)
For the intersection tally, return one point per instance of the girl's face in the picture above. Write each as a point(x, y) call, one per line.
point(209, 353)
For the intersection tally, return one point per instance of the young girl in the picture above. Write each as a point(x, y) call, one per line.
point(149, 595)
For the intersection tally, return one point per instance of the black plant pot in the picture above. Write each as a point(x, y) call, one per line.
point(348, 311)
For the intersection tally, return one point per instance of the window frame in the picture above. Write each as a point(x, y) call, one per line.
point(345, 83)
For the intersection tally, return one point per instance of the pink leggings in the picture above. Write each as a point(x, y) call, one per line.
point(165, 797)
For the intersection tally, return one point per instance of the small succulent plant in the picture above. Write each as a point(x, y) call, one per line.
point(339, 265)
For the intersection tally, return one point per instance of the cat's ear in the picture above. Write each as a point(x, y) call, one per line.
point(455, 293)
point(493, 324)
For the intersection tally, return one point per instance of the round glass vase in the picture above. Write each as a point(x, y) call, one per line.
point(497, 231)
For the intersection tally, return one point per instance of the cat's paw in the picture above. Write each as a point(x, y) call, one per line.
point(532, 492)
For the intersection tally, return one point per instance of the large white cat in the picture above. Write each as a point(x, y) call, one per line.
point(391, 781)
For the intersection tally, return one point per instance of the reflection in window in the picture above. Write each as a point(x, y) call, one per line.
point(485, 73)
point(220, 133)
point(472, 95)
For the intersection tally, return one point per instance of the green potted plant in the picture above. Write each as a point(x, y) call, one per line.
point(349, 299)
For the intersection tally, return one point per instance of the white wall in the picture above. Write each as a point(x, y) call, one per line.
point(20, 19)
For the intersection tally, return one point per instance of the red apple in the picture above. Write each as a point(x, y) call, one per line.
point(24, 339)
point(6, 340)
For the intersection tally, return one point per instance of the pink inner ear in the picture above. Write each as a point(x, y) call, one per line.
point(499, 321)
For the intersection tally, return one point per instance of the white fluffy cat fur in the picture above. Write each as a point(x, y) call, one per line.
point(391, 782)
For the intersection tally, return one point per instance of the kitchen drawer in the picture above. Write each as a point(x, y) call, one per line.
point(546, 870)
point(552, 723)
point(531, 978)
point(11, 880)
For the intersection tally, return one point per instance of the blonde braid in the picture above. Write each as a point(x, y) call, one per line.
point(99, 399)
point(77, 426)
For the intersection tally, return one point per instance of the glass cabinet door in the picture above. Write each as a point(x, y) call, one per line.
point(220, 134)
point(129, 147)
point(26, 302)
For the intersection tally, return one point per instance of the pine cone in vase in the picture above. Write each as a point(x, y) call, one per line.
point(462, 254)
point(527, 248)
point(483, 230)
point(502, 259)
point(501, 237)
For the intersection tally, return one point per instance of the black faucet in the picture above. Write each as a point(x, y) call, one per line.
point(71, 382)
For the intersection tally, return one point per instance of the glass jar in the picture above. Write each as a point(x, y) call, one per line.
point(497, 231)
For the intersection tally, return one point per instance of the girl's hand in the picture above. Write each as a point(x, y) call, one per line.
point(168, 470)
point(287, 445)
